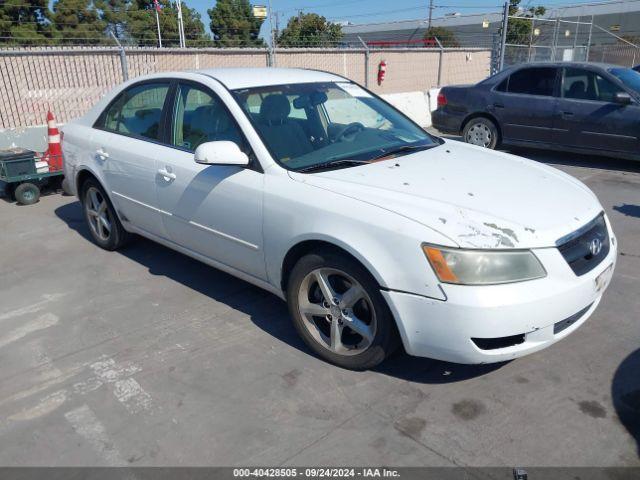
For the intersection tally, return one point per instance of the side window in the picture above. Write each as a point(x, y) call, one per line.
point(502, 87)
point(297, 111)
point(606, 89)
point(137, 111)
point(580, 84)
point(201, 117)
point(533, 81)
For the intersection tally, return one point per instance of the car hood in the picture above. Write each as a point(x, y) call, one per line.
point(476, 197)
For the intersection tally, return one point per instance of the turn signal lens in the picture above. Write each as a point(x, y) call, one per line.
point(439, 264)
point(483, 267)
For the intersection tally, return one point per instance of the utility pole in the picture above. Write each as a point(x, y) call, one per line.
point(430, 14)
point(272, 42)
point(183, 41)
point(156, 7)
point(503, 44)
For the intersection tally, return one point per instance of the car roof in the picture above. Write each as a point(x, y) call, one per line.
point(604, 66)
point(234, 78)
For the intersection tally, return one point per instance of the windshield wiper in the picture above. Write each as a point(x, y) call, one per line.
point(348, 161)
point(401, 149)
point(321, 166)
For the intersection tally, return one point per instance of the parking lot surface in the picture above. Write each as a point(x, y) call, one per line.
point(146, 357)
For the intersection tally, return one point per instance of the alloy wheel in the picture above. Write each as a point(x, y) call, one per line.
point(337, 311)
point(479, 134)
point(96, 207)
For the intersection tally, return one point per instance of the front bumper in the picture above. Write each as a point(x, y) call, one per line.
point(526, 311)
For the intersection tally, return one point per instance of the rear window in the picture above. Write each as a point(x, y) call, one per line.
point(533, 81)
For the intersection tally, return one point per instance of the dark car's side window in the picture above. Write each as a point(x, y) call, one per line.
point(201, 117)
point(581, 84)
point(533, 81)
point(137, 111)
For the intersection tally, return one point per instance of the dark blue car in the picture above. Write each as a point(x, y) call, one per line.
point(577, 107)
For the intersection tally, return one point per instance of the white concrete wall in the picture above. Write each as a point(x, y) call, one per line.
point(415, 105)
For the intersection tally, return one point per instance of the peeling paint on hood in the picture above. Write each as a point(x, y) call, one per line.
point(477, 197)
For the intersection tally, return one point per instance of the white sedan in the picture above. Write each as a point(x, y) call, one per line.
point(373, 231)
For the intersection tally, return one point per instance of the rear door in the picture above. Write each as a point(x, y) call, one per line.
point(524, 104)
point(127, 140)
point(588, 117)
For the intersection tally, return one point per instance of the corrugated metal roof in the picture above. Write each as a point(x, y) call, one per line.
point(585, 10)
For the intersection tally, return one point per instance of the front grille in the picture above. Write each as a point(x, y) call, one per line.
point(585, 248)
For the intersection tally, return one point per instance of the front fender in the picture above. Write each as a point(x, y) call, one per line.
point(387, 244)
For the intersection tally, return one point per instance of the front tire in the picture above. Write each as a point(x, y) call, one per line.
point(482, 132)
point(339, 312)
point(104, 225)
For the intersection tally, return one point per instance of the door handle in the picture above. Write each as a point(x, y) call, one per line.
point(102, 154)
point(567, 114)
point(498, 105)
point(167, 175)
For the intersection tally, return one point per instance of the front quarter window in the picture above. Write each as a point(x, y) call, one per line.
point(312, 124)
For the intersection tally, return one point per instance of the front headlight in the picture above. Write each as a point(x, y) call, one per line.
point(483, 267)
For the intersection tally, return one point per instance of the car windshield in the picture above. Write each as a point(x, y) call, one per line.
point(328, 125)
point(629, 77)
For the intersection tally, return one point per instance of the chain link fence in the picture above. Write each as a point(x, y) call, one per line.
point(68, 81)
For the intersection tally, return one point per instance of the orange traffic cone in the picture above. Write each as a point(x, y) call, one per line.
point(54, 152)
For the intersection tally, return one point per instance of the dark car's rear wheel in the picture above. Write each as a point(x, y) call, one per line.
point(338, 310)
point(482, 132)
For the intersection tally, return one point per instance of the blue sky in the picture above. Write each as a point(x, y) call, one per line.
point(369, 11)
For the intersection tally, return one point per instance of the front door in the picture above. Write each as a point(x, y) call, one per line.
point(127, 143)
point(588, 117)
point(524, 104)
point(213, 210)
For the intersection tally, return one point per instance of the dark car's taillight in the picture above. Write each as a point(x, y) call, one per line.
point(442, 99)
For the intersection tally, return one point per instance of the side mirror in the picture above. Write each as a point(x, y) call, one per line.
point(220, 153)
point(622, 98)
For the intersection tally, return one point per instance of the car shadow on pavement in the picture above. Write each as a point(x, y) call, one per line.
point(625, 390)
point(628, 210)
point(265, 310)
point(576, 160)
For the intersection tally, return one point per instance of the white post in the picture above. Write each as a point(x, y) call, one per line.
point(158, 24)
point(183, 42)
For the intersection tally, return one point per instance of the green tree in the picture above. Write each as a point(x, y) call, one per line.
point(233, 24)
point(444, 35)
point(519, 29)
point(139, 26)
point(310, 30)
point(114, 15)
point(25, 22)
point(78, 22)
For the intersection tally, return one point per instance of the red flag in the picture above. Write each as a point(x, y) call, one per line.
point(157, 5)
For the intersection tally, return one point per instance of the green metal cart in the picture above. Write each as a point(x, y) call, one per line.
point(23, 178)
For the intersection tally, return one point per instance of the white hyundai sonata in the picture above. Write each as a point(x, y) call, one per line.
point(374, 231)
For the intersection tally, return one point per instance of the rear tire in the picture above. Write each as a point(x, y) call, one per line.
point(104, 225)
point(482, 132)
point(27, 193)
point(346, 320)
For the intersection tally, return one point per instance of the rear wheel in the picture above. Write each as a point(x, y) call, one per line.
point(338, 310)
point(482, 132)
point(104, 225)
point(27, 193)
